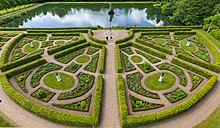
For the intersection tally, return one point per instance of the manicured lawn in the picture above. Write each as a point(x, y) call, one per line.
point(59, 43)
point(82, 59)
point(136, 59)
point(5, 122)
point(153, 83)
point(28, 49)
point(190, 48)
point(66, 82)
point(213, 121)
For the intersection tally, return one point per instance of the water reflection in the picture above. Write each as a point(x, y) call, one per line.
point(70, 15)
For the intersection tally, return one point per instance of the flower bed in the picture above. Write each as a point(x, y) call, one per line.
point(21, 81)
point(196, 80)
point(43, 94)
point(176, 95)
point(92, 66)
point(150, 58)
point(66, 59)
point(146, 67)
point(128, 50)
point(92, 50)
point(73, 68)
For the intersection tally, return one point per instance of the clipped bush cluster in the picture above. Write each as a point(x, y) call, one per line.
point(191, 68)
point(130, 36)
point(209, 66)
point(184, 33)
point(66, 34)
point(55, 115)
point(155, 46)
point(65, 46)
point(20, 62)
point(212, 48)
point(26, 67)
point(90, 35)
point(6, 52)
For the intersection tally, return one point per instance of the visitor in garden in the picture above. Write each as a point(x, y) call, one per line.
point(106, 38)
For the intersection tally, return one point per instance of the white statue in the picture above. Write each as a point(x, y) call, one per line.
point(209, 29)
point(58, 77)
point(31, 45)
point(161, 77)
point(188, 44)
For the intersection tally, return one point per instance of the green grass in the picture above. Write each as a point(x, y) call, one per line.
point(153, 83)
point(190, 48)
point(213, 121)
point(136, 59)
point(5, 122)
point(28, 49)
point(82, 59)
point(59, 43)
point(66, 82)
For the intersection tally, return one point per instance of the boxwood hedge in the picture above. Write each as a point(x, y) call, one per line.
point(20, 62)
point(143, 119)
point(102, 60)
point(55, 115)
point(58, 31)
point(90, 35)
point(184, 33)
point(130, 36)
point(118, 59)
point(212, 67)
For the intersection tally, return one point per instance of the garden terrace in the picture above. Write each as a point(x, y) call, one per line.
point(84, 60)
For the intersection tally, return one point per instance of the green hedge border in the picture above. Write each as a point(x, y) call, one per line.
point(90, 35)
point(102, 60)
point(143, 119)
point(184, 33)
point(152, 45)
point(127, 38)
point(58, 31)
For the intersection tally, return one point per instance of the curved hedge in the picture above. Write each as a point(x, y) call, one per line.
point(90, 35)
point(157, 47)
point(20, 62)
point(143, 119)
point(212, 67)
point(130, 36)
point(211, 46)
point(6, 52)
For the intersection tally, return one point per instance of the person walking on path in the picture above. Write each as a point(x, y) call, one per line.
point(107, 38)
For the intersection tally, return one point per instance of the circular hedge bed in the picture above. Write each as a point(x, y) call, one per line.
point(153, 83)
point(66, 82)
point(82, 59)
point(136, 59)
point(190, 48)
point(28, 49)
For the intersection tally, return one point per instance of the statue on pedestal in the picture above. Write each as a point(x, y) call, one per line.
point(161, 77)
point(58, 77)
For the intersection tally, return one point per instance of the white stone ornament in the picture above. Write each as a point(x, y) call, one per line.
point(31, 45)
point(58, 77)
point(188, 44)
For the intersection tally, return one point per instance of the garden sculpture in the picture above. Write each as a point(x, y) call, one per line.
point(31, 45)
point(188, 44)
point(58, 77)
point(161, 77)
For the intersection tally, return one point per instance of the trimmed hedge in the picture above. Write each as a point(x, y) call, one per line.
point(62, 28)
point(211, 46)
point(35, 34)
point(212, 67)
point(70, 50)
point(90, 35)
point(55, 115)
point(66, 34)
point(58, 31)
point(65, 46)
point(139, 120)
point(130, 36)
point(12, 29)
point(191, 68)
point(184, 33)
point(216, 33)
point(6, 52)
point(162, 29)
point(118, 59)
point(20, 62)
point(96, 45)
point(156, 33)
point(102, 60)
point(26, 67)
point(157, 47)
point(123, 109)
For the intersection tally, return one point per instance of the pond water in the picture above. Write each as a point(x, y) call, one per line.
point(74, 15)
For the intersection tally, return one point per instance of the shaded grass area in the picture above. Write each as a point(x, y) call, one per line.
point(213, 121)
point(153, 83)
point(66, 82)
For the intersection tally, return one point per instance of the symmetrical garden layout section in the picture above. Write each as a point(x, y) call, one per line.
point(32, 61)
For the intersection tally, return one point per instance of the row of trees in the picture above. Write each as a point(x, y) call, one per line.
point(194, 12)
point(6, 4)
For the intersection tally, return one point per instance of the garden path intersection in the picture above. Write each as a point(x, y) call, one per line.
point(82, 56)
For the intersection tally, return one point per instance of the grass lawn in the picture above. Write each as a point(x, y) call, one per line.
point(82, 59)
point(5, 122)
point(136, 59)
point(190, 48)
point(213, 121)
point(28, 49)
point(59, 43)
point(153, 83)
point(66, 82)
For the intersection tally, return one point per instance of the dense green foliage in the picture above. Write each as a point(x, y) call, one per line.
point(193, 12)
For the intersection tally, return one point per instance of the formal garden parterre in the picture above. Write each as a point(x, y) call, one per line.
point(29, 73)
